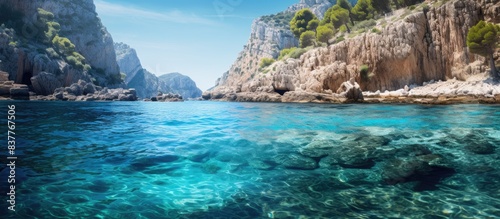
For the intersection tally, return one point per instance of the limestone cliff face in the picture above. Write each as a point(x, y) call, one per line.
point(181, 84)
point(269, 35)
point(127, 60)
point(409, 50)
point(80, 23)
point(146, 83)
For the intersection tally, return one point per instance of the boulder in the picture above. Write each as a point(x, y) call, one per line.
point(20, 92)
point(45, 83)
point(428, 170)
point(75, 89)
point(5, 89)
point(89, 89)
point(351, 90)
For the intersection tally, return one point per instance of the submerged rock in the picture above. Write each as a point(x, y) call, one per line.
point(352, 156)
point(318, 148)
point(296, 161)
point(262, 164)
point(427, 169)
point(478, 143)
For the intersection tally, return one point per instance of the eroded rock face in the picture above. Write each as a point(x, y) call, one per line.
point(128, 61)
point(79, 23)
point(146, 83)
point(45, 83)
point(82, 91)
point(351, 90)
point(267, 39)
point(409, 50)
point(181, 84)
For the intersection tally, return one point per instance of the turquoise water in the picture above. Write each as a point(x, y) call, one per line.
point(254, 160)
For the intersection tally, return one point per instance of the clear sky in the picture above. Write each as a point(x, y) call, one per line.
point(198, 38)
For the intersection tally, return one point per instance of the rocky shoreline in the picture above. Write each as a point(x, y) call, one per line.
point(476, 89)
point(80, 91)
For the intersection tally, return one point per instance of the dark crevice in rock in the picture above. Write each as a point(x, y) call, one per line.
point(280, 91)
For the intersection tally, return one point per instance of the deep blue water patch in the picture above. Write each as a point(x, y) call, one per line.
point(254, 160)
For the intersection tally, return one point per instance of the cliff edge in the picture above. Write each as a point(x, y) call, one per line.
point(64, 39)
point(413, 46)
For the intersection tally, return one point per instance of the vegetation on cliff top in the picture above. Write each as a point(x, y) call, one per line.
point(44, 35)
point(342, 17)
point(482, 39)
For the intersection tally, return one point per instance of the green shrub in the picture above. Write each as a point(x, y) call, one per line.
point(339, 39)
point(43, 14)
point(365, 73)
point(87, 67)
point(343, 29)
point(304, 20)
point(123, 76)
point(364, 25)
point(52, 53)
point(71, 60)
point(285, 52)
point(264, 62)
point(412, 7)
point(324, 33)
point(363, 10)
point(296, 53)
point(376, 30)
point(307, 38)
point(63, 45)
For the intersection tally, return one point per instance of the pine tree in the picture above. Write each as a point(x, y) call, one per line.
point(363, 10)
point(304, 20)
point(482, 39)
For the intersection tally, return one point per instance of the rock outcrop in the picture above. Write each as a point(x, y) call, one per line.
point(83, 91)
point(351, 90)
point(128, 61)
point(146, 83)
point(181, 84)
point(269, 35)
point(161, 97)
point(79, 23)
point(411, 49)
point(11, 90)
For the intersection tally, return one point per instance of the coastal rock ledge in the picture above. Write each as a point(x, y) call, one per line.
point(48, 88)
point(404, 58)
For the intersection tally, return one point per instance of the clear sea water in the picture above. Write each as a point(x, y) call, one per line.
point(251, 160)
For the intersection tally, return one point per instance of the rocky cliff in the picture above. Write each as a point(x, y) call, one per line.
point(127, 60)
point(25, 54)
point(412, 47)
point(181, 84)
point(269, 35)
point(147, 85)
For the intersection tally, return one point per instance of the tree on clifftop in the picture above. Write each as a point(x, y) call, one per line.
point(363, 10)
point(482, 39)
point(303, 21)
point(337, 16)
point(347, 6)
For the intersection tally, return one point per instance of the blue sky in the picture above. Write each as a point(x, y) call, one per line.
point(198, 38)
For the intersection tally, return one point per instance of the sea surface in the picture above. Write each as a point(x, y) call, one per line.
point(252, 160)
